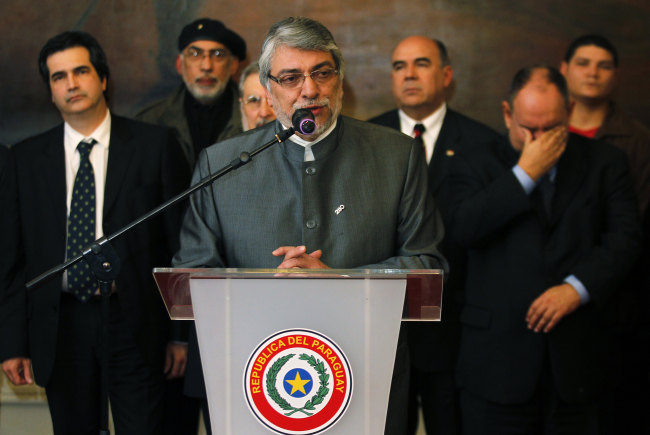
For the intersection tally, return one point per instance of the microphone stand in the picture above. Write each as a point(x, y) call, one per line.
point(105, 263)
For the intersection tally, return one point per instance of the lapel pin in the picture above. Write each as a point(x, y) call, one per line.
point(450, 153)
point(339, 209)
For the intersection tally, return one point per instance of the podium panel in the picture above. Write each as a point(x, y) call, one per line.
point(275, 346)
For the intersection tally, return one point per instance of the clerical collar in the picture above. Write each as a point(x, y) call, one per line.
point(305, 143)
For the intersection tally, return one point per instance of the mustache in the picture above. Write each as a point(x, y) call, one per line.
point(324, 101)
point(196, 80)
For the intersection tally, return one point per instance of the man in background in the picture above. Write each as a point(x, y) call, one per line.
point(421, 75)
point(255, 109)
point(550, 226)
point(205, 107)
point(591, 68)
point(203, 110)
point(83, 179)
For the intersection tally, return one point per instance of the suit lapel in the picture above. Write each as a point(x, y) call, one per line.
point(393, 121)
point(119, 158)
point(51, 165)
point(443, 149)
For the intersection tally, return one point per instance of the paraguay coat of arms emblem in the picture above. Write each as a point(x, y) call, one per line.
point(298, 381)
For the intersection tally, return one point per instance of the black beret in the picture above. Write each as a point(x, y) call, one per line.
point(212, 30)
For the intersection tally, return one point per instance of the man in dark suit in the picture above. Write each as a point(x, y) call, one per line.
point(550, 224)
point(13, 330)
point(124, 168)
point(422, 74)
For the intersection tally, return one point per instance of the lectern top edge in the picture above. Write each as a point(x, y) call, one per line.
point(296, 273)
point(424, 286)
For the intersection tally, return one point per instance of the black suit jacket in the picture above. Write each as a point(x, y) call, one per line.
point(434, 346)
point(13, 328)
point(145, 167)
point(515, 253)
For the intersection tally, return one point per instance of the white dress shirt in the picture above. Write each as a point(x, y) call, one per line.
point(98, 158)
point(432, 125)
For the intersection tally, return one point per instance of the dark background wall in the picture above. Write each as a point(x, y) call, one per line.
point(488, 41)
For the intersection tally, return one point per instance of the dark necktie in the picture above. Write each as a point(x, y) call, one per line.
point(81, 225)
point(417, 134)
point(546, 189)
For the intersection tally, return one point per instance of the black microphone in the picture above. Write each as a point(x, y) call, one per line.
point(303, 122)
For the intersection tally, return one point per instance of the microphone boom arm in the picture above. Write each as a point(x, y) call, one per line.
point(95, 247)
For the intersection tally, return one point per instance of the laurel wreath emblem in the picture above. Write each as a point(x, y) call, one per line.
point(315, 400)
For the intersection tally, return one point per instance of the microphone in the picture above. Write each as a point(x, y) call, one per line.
point(303, 122)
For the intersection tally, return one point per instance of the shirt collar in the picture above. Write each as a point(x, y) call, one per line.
point(102, 133)
point(432, 122)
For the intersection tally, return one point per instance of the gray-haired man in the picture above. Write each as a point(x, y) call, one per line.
point(287, 217)
point(255, 108)
point(204, 109)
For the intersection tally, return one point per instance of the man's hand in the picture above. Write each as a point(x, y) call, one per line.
point(551, 306)
point(18, 370)
point(296, 257)
point(541, 154)
point(175, 360)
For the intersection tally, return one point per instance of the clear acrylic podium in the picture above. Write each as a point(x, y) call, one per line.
point(240, 311)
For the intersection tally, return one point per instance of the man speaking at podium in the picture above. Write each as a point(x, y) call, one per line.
point(350, 195)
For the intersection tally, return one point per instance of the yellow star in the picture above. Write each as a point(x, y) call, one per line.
point(298, 384)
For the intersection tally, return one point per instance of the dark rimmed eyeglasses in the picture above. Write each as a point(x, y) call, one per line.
point(295, 80)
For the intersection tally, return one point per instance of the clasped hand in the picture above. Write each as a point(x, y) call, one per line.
point(296, 257)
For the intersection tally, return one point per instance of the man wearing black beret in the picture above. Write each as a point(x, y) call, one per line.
point(204, 109)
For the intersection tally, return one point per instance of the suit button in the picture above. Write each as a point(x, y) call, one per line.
point(310, 170)
point(311, 224)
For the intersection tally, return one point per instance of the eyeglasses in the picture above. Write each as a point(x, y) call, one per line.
point(194, 54)
point(253, 101)
point(295, 80)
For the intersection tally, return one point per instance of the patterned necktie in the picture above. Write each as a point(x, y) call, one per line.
point(417, 134)
point(81, 225)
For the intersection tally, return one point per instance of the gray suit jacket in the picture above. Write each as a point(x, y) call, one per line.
point(374, 174)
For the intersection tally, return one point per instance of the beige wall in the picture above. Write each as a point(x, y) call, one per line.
point(23, 410)
point(488, 40)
